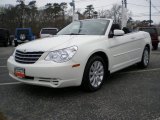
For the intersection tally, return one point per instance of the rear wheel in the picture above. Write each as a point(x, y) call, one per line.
point(94, 74)
point(145, 58)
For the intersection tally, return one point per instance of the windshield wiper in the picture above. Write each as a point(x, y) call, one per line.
point(74, 34)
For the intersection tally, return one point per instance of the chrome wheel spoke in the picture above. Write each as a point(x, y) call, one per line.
point(92, 68)
point(100, 68)
point(100, 73)
point(94, 81)
point(98, 65)
point(96, 74)
point(91, 73)
point(99, 79)
point(146, 57)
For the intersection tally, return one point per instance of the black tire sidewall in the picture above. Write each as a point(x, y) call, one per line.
point(142, 64)
point(86, 82)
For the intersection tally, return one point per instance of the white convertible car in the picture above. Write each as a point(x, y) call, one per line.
point(81, 54)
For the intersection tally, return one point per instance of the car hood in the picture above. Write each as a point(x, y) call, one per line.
point(56, 42)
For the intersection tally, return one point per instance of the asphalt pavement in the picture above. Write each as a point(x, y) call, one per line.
point(130, 94)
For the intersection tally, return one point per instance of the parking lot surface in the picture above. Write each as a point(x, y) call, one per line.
point(130, 94)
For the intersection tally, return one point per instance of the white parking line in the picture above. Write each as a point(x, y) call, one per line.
point(3, 66)
point(140, 71)
point(11, 83)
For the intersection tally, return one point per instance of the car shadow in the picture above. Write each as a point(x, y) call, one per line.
point(41, 91)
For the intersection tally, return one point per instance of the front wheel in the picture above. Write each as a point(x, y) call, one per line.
point(145, 58)
point(94, 74)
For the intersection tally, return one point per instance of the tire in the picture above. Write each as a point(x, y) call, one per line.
point(155, 47)
point(145, 58)
point(10, 42)
point(15, 43)
point(6, 44)
point(94, 74)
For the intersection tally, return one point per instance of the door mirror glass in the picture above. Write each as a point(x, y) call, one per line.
point(118, 32)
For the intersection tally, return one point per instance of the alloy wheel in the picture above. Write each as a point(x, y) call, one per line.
point(96, 74)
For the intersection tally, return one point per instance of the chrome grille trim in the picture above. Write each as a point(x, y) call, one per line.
point(29, 53)
point(18, 56)
point(27, 57)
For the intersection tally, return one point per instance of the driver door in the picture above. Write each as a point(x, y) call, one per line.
point(118, 50)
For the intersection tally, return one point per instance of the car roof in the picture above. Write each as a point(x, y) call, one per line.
point(23, 28)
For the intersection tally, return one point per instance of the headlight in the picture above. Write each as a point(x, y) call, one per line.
point(62, 55)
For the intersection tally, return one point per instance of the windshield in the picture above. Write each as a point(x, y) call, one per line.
point(49, 31)
point(19, 32)
point(86, 27)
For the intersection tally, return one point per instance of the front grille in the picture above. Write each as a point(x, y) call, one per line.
point(27, 57)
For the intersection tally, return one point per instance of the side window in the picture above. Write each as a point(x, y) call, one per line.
point(126, 30)
point(114, 26)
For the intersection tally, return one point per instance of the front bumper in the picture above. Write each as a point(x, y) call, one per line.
point(48, 74)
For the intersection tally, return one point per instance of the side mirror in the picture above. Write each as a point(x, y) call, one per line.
point(118, 32)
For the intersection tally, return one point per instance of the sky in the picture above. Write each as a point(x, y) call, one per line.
point(139, 8)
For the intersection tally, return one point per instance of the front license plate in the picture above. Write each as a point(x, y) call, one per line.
point(19, 72)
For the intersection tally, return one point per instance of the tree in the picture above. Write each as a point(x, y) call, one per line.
point(95, 14)
point(89, 11)
point(116, 13)
point(104, 13)
point(21, 7)
point(55, 14)
point(10, 18)
point(63, 7)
